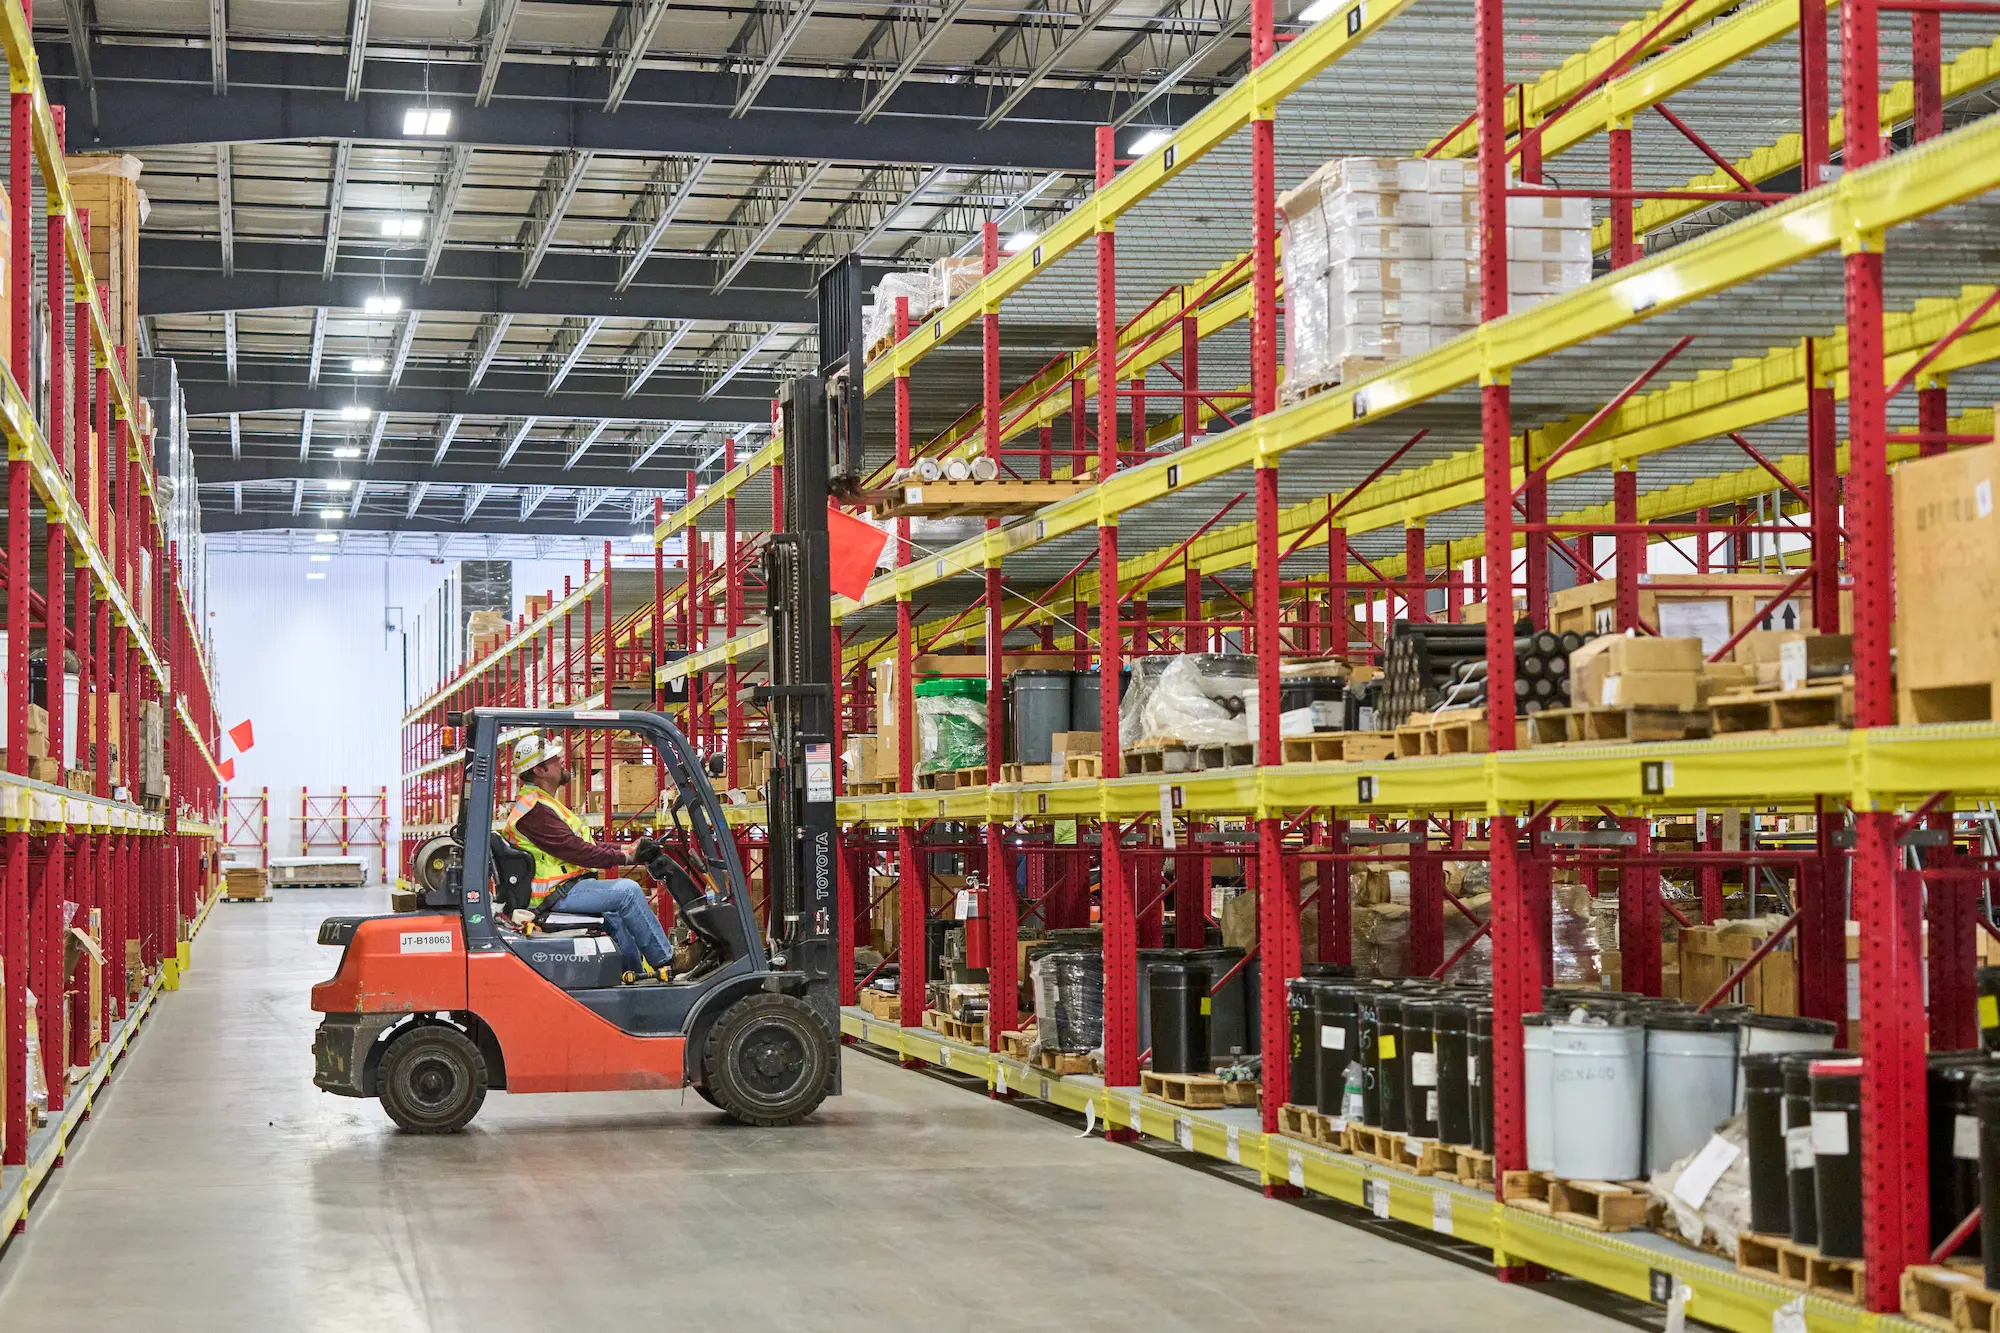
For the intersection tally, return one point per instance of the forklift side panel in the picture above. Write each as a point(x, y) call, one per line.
point(398, 965)
point(554, 1044)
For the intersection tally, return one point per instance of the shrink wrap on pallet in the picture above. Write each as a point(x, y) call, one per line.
point(1069, 999)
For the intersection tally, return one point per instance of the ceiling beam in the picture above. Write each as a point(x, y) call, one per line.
point(229, 343)
point(215, 397)
point(444, 437)
point(673, 182)
point(336, 194)
point(628, 39)
point(444, 200)
point(218, 46)
point(758, 217)
point(1075, 20)
point(496, 28)
point(514, 445)
point(405, 336)
point(225, 206)
point(181, 277)
point(158, 96)
point(220, 519)
point(909, 40)
point(664, 344)
point(215, 470)
point(577, 335)
point(559, 186)
point(741, 363)
point(772, 32)
point(357, 46)
point(492, 333)
point(583, 445)
point(318, 346)
point(79, 15)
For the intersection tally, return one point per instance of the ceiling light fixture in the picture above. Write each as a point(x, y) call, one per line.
point(330, 514)
point(426, 122)
point(1019, 241)
point(1148, 141)
point(382, 304)
point(316, 574)
point(402, 226)
point(326, 538)
point(367, 365)
point(339, 484)
point(347, 451)
point(320, 559)
point(354, 412)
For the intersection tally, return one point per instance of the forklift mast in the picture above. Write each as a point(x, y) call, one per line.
point(801, 699)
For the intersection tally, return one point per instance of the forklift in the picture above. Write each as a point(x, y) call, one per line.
point(432, 1006)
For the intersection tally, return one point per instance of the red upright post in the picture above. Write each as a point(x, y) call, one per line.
point(14, 926)
point(1002, 908)
point(1624, 244)
point(1887, 900)
point(1516, 972)
point(1823, 477)
point(732, 611)
point(1121, 962)
point(1277, 899)
point(1416, 591)
point(657, 690)
point(913, 880)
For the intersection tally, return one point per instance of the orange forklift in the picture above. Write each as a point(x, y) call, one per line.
point(430, 1008)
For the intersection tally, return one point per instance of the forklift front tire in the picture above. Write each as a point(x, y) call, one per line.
point(769, 1060)
point(432, 1079)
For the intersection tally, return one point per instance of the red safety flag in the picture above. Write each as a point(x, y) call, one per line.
point(228, 770)
point(852, 548)
point(242, 735)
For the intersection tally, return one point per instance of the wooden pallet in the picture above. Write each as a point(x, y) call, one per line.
point(1772, 1257)
point(1945, 1297)
point(873, 787)
point(1601, 726)
point(1017, 1044)
point(232, 898)
point(1064, 1062)
point(1082, 768)
point(1300, 1122)
point(1601, 1205)
point(1843, 1280)
point(1158, 757)
point(1377, 1145)
point(934, 1019)
point(1001, 498)
point(1829, 705)
point(973, 1034)
point(1468, 1166)
point(1527, 1189)
point(1203, 1092)
point(1428, 1157)
point(880, 1004)
point(1022, 774)
point(937, 781)
point(1413, 738)
point(1207, 757)
point(1336, 747)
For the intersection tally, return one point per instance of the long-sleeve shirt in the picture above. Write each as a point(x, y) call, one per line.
point(545, 828)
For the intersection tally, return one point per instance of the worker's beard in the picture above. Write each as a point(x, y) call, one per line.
point(551, 779)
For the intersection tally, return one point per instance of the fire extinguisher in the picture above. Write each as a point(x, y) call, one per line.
point(972, 911)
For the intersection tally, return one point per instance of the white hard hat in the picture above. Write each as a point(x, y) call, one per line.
point(530, 751)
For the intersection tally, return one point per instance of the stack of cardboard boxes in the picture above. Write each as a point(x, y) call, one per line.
point(1381, 262)
point(483, 632)
point(1674, 674)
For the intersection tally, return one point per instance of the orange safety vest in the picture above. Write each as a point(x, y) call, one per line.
point(549, 870)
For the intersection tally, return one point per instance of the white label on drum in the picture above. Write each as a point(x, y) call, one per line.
point(1799, 1148)
point(1829, 1133)
point(1423, 1069)
point(1965, 1137)
point(1332, 1036)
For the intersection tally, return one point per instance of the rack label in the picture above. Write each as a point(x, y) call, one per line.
point(1441, 1213)
point(1235, 1147)
point(1295, 1168)
point(1184, 1134)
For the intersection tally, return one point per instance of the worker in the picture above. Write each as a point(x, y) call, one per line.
point(559, 841)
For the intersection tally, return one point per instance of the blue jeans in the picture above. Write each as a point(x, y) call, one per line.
point(628, 916)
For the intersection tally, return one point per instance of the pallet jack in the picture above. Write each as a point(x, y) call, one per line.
point(433, 1006)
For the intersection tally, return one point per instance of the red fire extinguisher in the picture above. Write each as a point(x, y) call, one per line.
point(972, 911)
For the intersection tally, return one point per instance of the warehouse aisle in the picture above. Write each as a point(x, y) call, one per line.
point(217, 1189)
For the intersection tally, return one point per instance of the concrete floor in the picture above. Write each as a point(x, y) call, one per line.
point(217, 1189)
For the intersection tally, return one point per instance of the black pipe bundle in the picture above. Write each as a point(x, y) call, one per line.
point(1430, 667)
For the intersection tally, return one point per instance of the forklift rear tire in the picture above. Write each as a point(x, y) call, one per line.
point(769, 1060)
point(432, 1079)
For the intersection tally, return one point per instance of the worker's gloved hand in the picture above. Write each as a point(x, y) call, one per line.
point(642, 852)
point(525, 919)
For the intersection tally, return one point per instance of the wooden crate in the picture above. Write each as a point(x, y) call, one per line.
point(1710, 955)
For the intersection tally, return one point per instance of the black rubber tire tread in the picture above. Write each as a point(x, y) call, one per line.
point(441, 1042)
point(707, 1096)
point(726, 1043)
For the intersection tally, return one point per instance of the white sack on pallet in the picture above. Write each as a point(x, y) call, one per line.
point(1189, 703)
point(1708, 1208)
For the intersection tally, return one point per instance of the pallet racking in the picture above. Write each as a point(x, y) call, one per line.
point(83, 533)
point(1754, 300)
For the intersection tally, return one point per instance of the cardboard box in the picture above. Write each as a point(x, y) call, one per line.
point(634, 786)
point(1066, 745)
point(246, 882)
point(108, 185)
point(1948, 586)
point(38, 732)
point(1718, 678)
point(1710, 607)
point(1641, 666)
point(46, 770)
point(1652, 689)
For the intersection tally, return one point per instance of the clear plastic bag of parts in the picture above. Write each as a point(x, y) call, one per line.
point(1190, 699)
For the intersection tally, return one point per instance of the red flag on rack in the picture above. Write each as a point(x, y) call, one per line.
point(853, 546)
point(228, 770)
point(242, 735)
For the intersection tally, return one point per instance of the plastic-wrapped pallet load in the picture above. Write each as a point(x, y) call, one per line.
point(1381, 262)
point(1069, 999)
point(1190, 699)
point(951, 724)
point(878, 319)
